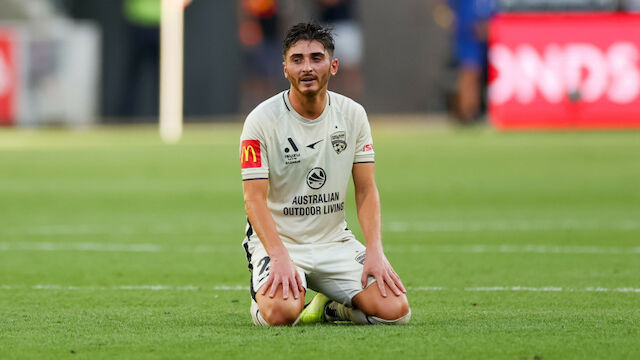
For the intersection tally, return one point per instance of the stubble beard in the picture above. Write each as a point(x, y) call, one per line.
point(323, 85)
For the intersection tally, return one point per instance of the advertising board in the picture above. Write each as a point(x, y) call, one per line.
point(564, 71)
point(8, 77)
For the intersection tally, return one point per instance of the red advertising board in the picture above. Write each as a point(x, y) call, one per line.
point(8, 77)
point(564, 71)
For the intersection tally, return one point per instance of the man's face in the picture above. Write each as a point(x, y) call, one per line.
point(308, 66)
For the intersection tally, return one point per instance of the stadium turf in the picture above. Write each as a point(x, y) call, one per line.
point(512, 245)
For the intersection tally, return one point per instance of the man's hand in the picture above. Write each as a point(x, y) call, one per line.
point(377, 265)
point(283, 271)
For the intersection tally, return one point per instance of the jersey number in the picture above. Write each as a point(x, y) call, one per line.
point(264, 262)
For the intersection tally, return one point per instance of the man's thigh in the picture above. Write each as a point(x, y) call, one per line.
point(337, 270)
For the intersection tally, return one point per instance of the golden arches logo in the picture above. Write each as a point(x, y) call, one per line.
point(244, 154)
point(250, 154)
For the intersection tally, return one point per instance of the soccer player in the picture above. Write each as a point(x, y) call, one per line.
point(297, 152)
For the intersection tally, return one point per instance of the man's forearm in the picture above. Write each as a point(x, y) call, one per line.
point(368, 206)
point(264, 225)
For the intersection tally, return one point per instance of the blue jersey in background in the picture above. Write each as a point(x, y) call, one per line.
point(472, 17)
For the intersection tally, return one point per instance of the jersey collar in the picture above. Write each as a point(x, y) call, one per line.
point(294, 113)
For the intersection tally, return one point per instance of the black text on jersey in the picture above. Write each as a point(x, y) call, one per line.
point(291, 153)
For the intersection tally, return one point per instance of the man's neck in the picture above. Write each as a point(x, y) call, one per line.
point(310, 107)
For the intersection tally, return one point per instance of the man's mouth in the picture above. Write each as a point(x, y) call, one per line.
point(307, 79)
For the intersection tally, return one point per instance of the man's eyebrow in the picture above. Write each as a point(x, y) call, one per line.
point(295, 55)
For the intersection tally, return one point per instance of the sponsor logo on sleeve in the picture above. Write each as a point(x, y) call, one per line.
point(367, 148)
point(250, 154)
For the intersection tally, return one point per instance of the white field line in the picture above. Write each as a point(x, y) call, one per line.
point(508, 249)
point(94, 229)
point(115, 247)
point(396, 226)
point(210, 249)
point(246, 288)
point(511, 225)
point(83, 246)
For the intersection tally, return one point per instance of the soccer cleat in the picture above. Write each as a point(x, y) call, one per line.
point(313, 312)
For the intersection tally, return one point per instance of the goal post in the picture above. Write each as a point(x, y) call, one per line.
point(172, 70)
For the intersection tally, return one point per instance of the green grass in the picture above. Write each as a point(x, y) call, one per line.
point(556, 214)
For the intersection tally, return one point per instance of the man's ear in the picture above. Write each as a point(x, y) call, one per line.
point(334, 66)
point(284, 69)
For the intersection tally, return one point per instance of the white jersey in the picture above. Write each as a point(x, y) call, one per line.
point(308, 164)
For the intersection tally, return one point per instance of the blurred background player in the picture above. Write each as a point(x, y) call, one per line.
point(259, 34)
point(471, 36)
point(140, 98)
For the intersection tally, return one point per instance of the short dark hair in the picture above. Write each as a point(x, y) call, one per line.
point(309, 31)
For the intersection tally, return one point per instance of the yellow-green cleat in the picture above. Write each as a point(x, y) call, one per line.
point(313, 312)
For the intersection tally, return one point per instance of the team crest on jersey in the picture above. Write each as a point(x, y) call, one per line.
point(339, 141)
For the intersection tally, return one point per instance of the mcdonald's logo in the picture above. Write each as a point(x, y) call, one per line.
point(250, 154)
point(248, 149)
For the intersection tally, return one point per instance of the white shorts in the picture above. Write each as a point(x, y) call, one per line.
point(334, 268)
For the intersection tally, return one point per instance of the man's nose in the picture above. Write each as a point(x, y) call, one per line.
point(307, 65)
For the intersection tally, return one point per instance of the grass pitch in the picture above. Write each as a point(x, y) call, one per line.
point(513, 246)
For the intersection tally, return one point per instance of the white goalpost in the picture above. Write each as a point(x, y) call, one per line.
point(171, 69)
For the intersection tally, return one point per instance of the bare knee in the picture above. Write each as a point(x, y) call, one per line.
point(391, 310)
point(278, 312)
point(391, 307)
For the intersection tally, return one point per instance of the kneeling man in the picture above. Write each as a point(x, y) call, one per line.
point(298, 151)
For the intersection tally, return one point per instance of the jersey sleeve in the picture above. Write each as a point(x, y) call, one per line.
point(254, 159)
point(364, 142)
